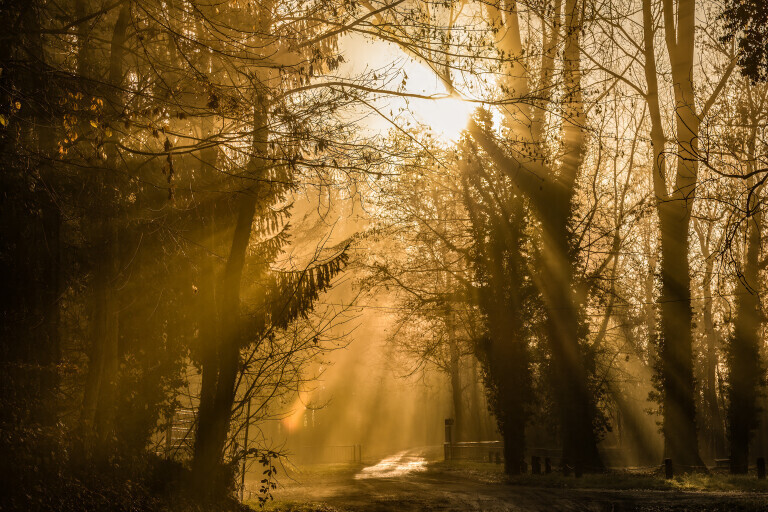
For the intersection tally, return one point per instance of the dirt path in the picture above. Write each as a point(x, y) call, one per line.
point(406, 482)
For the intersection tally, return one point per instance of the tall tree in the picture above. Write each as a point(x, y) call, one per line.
point(674, 207)
point(551, 192)
point(744, 151)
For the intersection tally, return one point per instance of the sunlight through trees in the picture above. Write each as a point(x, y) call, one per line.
point(240, 235)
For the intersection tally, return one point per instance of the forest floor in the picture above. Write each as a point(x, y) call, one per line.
point(408, 481)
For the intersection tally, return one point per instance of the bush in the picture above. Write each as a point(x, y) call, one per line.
point(49, 469)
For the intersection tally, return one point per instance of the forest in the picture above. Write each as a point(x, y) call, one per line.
point(244, 238)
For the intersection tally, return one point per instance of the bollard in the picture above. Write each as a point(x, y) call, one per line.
point(669, 472)
point(547, 465)
point(761, 468)
point(448, 445)
point(535, 465)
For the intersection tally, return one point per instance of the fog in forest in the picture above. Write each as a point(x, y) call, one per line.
point(350, 255)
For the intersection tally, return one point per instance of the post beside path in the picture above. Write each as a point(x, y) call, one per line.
point(448, 445)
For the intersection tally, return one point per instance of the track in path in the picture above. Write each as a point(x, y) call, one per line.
point(406, 482)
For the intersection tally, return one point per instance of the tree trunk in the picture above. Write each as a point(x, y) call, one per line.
point(216, 405)
point(565, 327)
point(678, 403)
point(101, 382)
point(221, 353)
point(102, 358)
point(551, 196)
point(456, 388)
point(503, 352)
point(744, 353)
point(715, 425)
point(674, 209)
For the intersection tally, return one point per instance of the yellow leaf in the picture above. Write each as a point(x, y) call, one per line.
point(94, 124)
point(3, 120)
point(17, 105)
point(108, 132)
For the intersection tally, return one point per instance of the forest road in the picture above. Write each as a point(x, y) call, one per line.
point(406, 482)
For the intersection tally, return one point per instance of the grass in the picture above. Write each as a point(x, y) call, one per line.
point(723, 486)
point(615, 480)
point(289, 476)
point(717, 481)
point(279, 506)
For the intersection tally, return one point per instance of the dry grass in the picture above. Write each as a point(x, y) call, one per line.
point(715, 481)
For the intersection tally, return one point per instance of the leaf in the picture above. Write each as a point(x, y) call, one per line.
point(3, 120)
point(94, 123)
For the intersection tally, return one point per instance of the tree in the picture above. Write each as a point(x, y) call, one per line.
point(142, 139)
point(745, 22)
point(547, 181)
point(506, 297)
point(420, 260)
point(737, 155)
point(550, 190)
point(714, 425)
point(674, 208)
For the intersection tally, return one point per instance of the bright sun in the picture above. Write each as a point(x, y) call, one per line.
point(445, 117)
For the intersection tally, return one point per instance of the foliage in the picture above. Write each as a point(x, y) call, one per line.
point(746, 22)
point(45, 469)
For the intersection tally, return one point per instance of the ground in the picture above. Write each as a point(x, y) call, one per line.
point(410, 481)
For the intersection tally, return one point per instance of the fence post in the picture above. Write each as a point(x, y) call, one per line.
point(669, 471)
point(448, 439)
point(761, 468)
point(169, 434)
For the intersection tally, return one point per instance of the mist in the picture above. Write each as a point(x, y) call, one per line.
point(383, 255)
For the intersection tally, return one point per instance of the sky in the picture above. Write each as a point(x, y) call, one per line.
point(445, 117)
